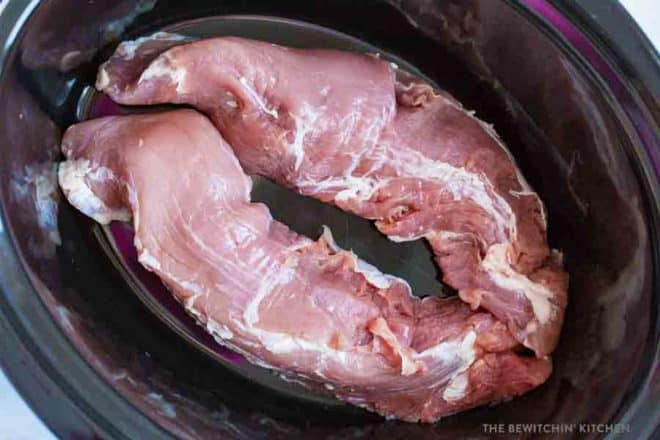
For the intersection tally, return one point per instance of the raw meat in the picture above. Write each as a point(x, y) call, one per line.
point(314, 312)
point(353, 130)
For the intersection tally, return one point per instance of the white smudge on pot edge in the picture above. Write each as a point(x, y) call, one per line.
point(165, 407)
point(37, 184)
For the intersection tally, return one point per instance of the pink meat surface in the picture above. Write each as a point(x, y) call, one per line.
point(352, 130)
point(312, 311)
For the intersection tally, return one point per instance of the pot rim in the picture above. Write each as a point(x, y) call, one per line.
point(623, 49)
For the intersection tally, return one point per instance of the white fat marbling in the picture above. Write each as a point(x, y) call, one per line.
point(102, 79)
point(278, 275)
point(496, 264)
point(149, 261)
point(327, 236)
point(281, 343)
point(462, 349)
point(371, 273)
point(127, 49)
point(490, 130)
point(257, 98)
point(164, 66)
point(374, 276)
point(461, 183)
point(447, 352)
point(219, 330)
point(457, 388)
point(72, 175)
point(304, 123)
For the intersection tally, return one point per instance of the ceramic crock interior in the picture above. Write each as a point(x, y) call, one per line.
point(567, 134)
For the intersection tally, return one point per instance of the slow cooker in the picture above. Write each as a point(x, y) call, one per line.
point(573, 89)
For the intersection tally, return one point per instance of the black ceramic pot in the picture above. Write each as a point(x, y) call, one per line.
point(573, 90)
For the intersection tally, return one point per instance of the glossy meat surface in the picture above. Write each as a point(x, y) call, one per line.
point(306, 308)
point(353, 130)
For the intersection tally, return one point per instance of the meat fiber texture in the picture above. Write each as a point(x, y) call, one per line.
point(351, 130)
